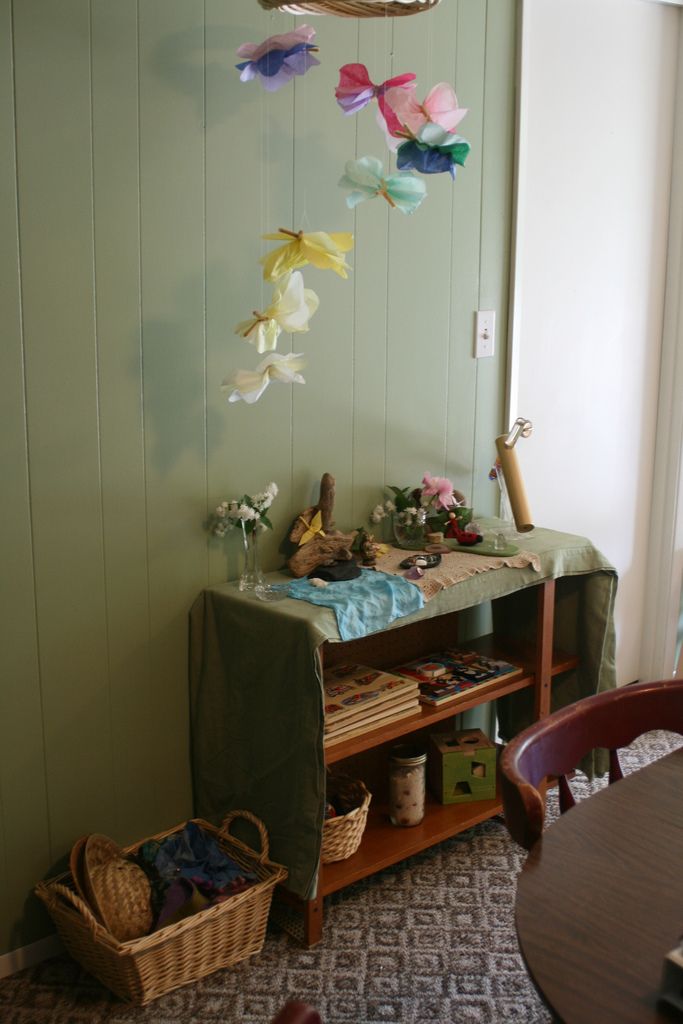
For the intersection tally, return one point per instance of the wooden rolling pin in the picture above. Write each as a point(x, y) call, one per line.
point(512, 475)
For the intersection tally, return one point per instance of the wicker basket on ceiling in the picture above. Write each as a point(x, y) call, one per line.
point(352, 8)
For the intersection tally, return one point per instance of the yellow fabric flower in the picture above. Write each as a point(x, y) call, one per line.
point(317, 247)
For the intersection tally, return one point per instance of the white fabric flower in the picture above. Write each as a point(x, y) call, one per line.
point(249, 385)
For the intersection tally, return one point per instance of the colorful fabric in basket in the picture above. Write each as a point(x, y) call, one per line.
point(188, 871)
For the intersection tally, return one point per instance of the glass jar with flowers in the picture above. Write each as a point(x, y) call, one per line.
point(248, 514)
point(418, 511)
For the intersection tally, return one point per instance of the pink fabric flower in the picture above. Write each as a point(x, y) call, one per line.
point(356, 90)
point(439, 107)
point(440, 487)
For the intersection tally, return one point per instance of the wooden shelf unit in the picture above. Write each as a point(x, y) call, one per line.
point(384, 844)
point(427, 717)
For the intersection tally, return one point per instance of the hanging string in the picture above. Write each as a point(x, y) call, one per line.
point(263, 179)
point(388, 73)
point(388, 61)
point(266, 115)
point(303, 84)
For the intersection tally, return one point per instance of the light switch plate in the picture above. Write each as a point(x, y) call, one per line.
point(484, 333)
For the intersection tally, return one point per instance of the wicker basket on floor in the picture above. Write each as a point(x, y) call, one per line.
point(342, 834)
point(143, 969)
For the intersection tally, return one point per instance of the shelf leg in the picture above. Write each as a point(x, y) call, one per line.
point(302, 919)
point(313, 921)
point(544, 648)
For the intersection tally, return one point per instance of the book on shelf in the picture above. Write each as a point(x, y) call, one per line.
point(374, 711)
point(351, 691)
point(359, 726)
point(451, 674)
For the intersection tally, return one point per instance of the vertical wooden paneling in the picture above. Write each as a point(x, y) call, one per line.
point(420, 279)
point(145, 175)
point(172, 193)
point(120, 387)
point(463, 394)
point(370, 261)
point(52, 60)
point(24, 830)
point(324, 141)
point(249, 142)
point(496, 220)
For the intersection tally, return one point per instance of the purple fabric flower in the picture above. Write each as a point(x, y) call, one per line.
point(278, 58)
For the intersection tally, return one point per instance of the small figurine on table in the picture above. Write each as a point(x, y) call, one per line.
point(464, 537)
point(367, 548)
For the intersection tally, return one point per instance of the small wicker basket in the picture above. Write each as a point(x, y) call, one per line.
point(342, 835)
point(351, 8)
point(143, 969)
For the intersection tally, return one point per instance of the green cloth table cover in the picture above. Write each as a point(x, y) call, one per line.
point(256, 688)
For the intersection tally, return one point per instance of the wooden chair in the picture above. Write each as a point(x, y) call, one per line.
point(295, 1012)
point(554, 747)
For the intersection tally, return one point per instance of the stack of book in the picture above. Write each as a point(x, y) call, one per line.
point(452, 674)
point(358, 698)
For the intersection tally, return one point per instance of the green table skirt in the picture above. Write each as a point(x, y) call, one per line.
point(256, 694)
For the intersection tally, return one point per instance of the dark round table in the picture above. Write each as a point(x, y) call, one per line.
point(600, 900)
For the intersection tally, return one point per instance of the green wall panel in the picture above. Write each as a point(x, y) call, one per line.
point(132, 210)
point(370, 285)
point(250, 154)
point(172, 200)
point(470, 55)
point(496, 214)
point(419, 278)
point(24, 825)
point(116, 218)
point(54, 157)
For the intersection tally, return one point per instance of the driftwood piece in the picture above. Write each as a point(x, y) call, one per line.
point(333, 548)
point(319, 550)
point(326, 501)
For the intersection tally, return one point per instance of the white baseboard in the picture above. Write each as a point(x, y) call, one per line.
point(28, 956)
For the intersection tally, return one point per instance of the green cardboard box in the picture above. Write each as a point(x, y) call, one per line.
point(461, 766)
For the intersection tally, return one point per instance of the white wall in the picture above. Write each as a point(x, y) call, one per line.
point(665, 563)
point(595, 141)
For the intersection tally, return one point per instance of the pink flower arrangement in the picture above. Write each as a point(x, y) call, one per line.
point(433, 500)
point(440, 488)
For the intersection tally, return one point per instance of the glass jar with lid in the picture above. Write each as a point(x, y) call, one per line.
point(407, 784)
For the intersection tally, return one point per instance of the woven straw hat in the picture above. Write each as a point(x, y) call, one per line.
point(76, 865)
point(116, 889)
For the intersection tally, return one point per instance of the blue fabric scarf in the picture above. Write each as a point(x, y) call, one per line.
point(364, 605)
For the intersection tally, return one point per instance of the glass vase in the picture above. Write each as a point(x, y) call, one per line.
point(252, 577)
point(409, 529)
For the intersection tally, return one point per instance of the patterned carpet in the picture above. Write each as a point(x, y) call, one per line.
point(430, 940)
